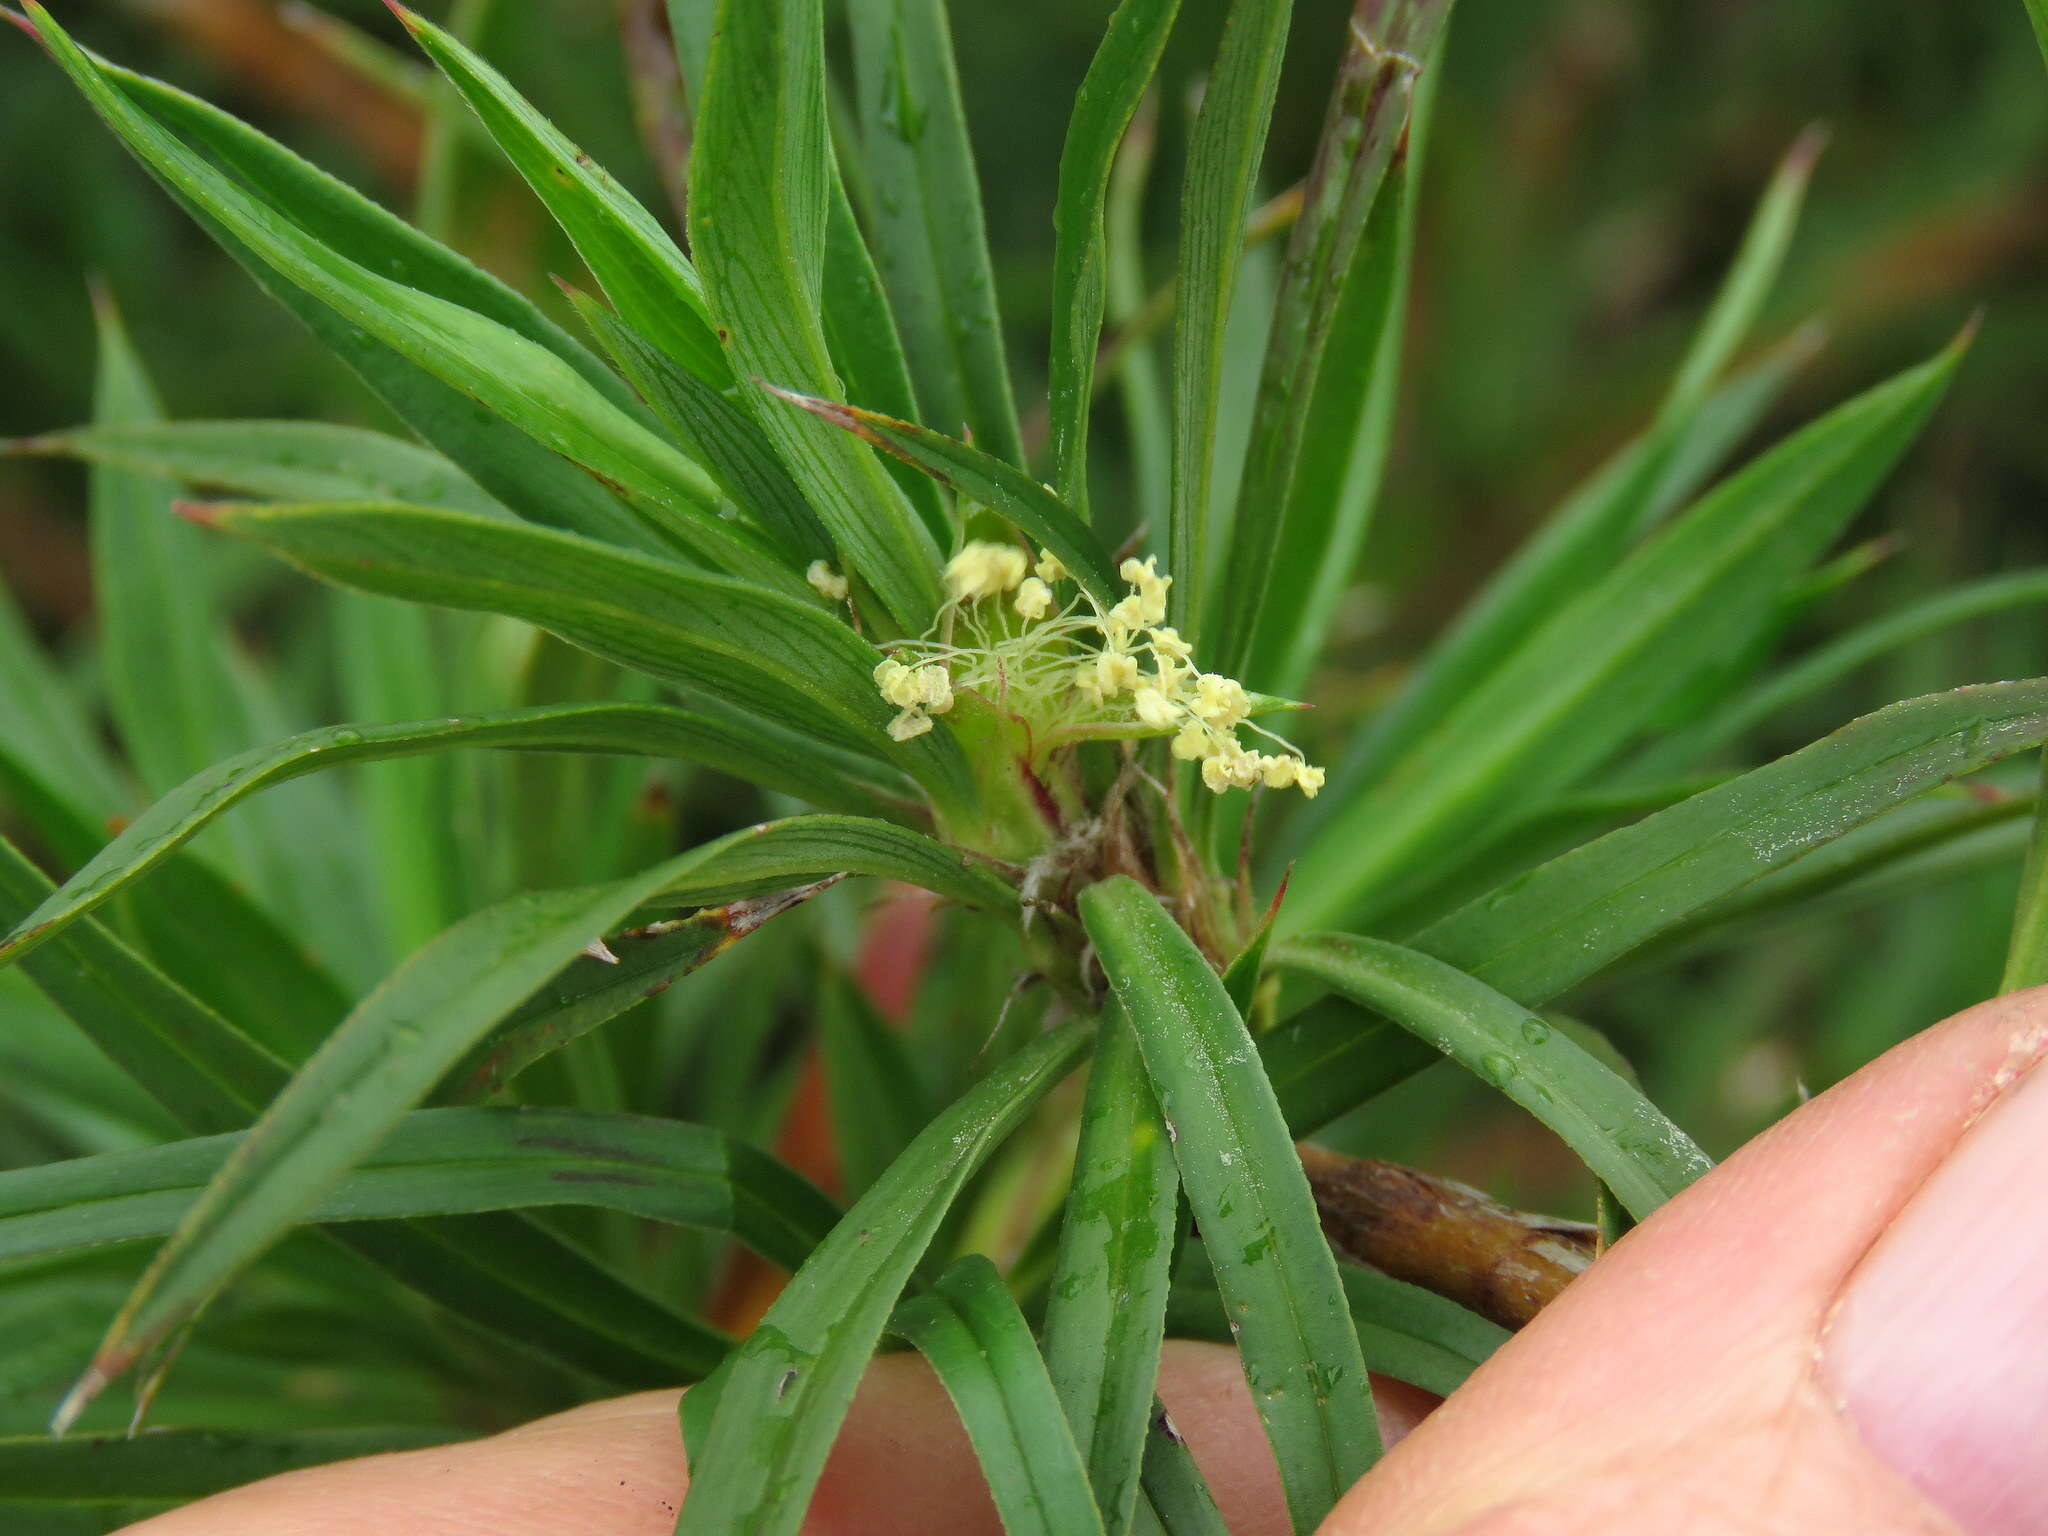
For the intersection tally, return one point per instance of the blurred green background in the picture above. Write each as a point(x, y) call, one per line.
point(1592, 168)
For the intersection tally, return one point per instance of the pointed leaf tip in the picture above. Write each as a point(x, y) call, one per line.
point(207, 514)
point(1812, 142)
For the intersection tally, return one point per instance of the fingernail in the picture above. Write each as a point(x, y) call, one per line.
point(1938, 1350)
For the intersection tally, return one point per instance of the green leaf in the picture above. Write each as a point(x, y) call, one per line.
point(1911, 848)
point(877, 1095)
point(981, 478)
point(174, 1465)
point(204, 933)
point(1177, 1501)
point(499, 1272)
point(1250, 1198)
point(520, 472)
point(540, 1295)
point(516, 378)
point(787, 661)
point(446, 1162)
point(335, 1111)
point(53, 765)
point(165, 633)
point(1115, 84)
point(1331, 1057)
point(2037, 12)
point(1842, 656)
point(760, 179)
point(1348, 429)
point(1106, 1313)
point(1583, 540)
point(758, 856)
point(391, 657)
point(593, 990)
point(860, 333)
point(1618, 1133)
point(730, 442)
point(789, 1385)
point(1364, 130)
point(981, 1349)
point(779, 854)
point(646, 276)
point(2026, 963)
point(287, 460)
point(1216, 200)
point(930, 242)
point(1744, 290)
point(1563, 921)
point(196, 1064)
point(1406, 1332)
point(1586, 682)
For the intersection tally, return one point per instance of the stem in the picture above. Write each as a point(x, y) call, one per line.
point(2026, 961)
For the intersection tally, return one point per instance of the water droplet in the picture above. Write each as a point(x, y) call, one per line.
point(1535, 1031)
point(347, 738)
point(1499, 1068)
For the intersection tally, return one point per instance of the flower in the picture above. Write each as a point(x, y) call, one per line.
point(1081, 669)
point(984, 570)
point(829, 583)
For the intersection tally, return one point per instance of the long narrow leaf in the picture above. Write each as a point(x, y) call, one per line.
point(1250, 1199)
point(284, 460)
point(595, 989)
point(169, 653)
point(519, 471)
point(1406, 1332)
point(1349, 430)
point(861, 336)
point(176, 1465)
point(340, 1106)
point(2026, 963)
point(1841, 656)
point(1584, 683)
point(1365, 129)
point(981, 1349)
point(1619, 1134)
point(1565, 920)
point(930, 243)
point(516, 378)
point(1106, 1313)
point(982, 478)
point(1116, 82)
point(760, 183)
point(1216, 199)
point(1177, 1501)
point(641, 268)
point(784, 659)
point(717, 430)
point(196, 1064)
point(787, 1388)
point(1591, 531)
point(642, 729)
point(446, 1162)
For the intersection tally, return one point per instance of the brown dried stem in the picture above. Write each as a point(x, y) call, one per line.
point(1445, 1236)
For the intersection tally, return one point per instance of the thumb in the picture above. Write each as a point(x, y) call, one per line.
point(1843, 1328)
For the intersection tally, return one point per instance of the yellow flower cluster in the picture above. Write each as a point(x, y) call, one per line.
point(918, 692)
point(1076, 670)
